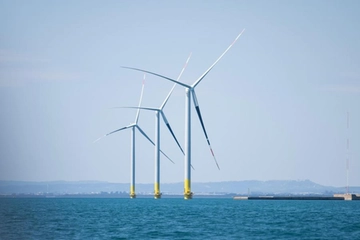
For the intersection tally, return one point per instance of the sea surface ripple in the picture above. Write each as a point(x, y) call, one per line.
point(175, 218)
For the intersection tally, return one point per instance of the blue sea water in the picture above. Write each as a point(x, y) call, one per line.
point(171, 218)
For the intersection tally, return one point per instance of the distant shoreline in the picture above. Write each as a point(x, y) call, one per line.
point(140, 196)
point(180, 196)
point(227, 189)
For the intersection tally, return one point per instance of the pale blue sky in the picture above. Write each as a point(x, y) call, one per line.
point(274, 107)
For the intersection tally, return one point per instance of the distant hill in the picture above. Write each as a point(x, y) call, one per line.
point(275, 187)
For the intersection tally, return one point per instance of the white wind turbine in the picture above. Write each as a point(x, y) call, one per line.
point(158, 111)
point(190, 91)
point(134, 126)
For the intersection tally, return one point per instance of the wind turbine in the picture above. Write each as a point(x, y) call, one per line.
point(134, 126)
point(190, 91)
point(158, 111)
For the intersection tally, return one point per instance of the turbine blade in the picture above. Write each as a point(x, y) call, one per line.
point(207, 71)
point(186, 63)
point(203, 126)
point(158, 75)
point(168, 96)
point(112, 132)
point(99, 138)
point(118, 130)
point(144, 108)
point(143, 133)
point(171, 131)
point(178, 78)
point(167, 157)
point(141, 95)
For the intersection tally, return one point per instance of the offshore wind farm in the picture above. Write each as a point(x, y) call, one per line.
point(273, 107)
point(189, 94)
point(158, 111)
point(270, 113)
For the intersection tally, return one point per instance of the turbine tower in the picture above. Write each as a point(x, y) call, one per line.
point(134, 126)
point(190, 92)
point(347, 154)
point(158, 111)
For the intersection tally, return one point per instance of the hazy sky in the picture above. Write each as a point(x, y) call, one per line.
point(274, 107)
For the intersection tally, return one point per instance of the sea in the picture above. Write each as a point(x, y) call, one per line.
point(176, 218)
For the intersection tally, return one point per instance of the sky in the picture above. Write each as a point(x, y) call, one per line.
point(275, 107)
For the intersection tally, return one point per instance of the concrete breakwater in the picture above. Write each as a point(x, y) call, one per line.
point(335, 197)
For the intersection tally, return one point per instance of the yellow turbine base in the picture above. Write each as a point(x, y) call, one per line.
point(187, 190)
point(188, 195)
point(132, 192)
point(157, 195)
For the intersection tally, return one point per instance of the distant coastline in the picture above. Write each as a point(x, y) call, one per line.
point(209, 189)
